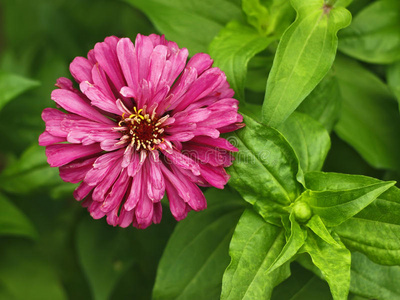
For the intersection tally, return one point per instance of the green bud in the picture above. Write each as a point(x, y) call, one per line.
point(302, 211)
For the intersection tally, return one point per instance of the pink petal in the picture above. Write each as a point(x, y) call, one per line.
point(81, 69)
point(61, 154)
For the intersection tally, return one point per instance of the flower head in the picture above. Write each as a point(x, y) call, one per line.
point(143, 123)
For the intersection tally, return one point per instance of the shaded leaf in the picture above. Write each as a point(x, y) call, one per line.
point(304, 56)
point(393, 78)
point(197, 253)
point(254, 247)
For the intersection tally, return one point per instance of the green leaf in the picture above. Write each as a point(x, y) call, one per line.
point(13, 221)
point(304, 56)
point(29, 173)
point(323, 104)
point(24, 274)
point(370, 119)
point(191, 24)
point(13, 85)
point(374, 281)
point(308, 138)
point(301, 285)
point(257, 14)
point(334, 263)
point(232, 49)
point(197, 253)
point(105, 254)
point(336, 206)
point(393, 78)
point(318, 227)
point(293, 244)
point(377, 41)
point(264, 171)
point(254, 247)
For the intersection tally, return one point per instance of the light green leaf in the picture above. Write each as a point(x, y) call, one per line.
point(374, 281)
point(393, 78)
point(370, 119)
point(308, 138)
point(232, 49)
point(24, 274)
point(302, 285)
point(293, 244)
point(318, 227)
point(264, 171)
point(336, 206)
point(257, 15)
point(13, 221)
point(323, 104)
point(377, 41)
point(197, 253)
point(254, 247)
point(192, 24)
point(304, 56)
point(334, 263)
point(29, 173)
point(13, 85)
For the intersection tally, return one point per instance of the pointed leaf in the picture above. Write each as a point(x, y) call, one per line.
point(370, 119)
point(377, 41)
point(334, 263)
point(197, 252)
point(304, 56)
point(335, 207)
point(308, 138)
point(232, 49)
point(318, 227)
point(265, 169)
point(13, 221)
point(255, 245)
point(13, 85)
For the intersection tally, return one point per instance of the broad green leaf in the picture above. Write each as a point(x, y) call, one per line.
point(318, 227)
point(232, 49)
point(377, 41)
point(197, 253)
point(323, 104)
point(393, 78)
point(293, 244)
point(13, 85)
point(13, 221)
point(304, 56)
point(254, 247)
point(308, 138)
point(192, 24)
point(105, 254)
point(264, 171)
point(302, 285)
point(370, 119)
point(24, 274)
point(334, 263)
point(374, 281)
point(29, 173)
point(336, 206)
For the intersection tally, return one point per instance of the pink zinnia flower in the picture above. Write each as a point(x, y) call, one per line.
point(144, 122)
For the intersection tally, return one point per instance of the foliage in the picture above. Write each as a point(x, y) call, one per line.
point(312, 210)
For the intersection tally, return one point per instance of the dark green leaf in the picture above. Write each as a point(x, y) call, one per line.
point(377, 41)
point(374, 281)
point(13, 221)
point(335, 206)
point(308, 138)
point(323, 104)
point(191, 24)
point(12, 85)
point(265, 169)
point(197, 253)
point(393, 78)
point(254, 247)
point(370, 118)
point(29, 173)
point(334, 263)
point(304, 56)
point(232, 49)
